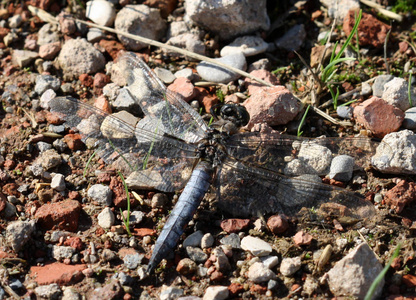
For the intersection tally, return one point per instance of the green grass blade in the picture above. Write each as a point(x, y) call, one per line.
point(88, 163)
point(302, 121)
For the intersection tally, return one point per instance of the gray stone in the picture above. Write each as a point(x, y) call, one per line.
point(353, 275)
point(60, 145)
point(58, 182)
point(101, 194)
point(95, 35)
point(45, 82)
point(9, 211)
point(125, 101)
point(165, 75)
point(187, 73)
point(159, 200)
point(136, 217)
point(379, 82)
point(48, 34)
point(210, 72)
point(232, 240)
point(345, 112)
point(256, 246)
point(249, 45)
point(366, 88)
point(396, 153)
point(111, 91)
point(106, 218)
point(62, 252)
point(269, 261)
point(221, 260)
point(194, 239)
point(396, 93)
point(78, 57)
point(260, 273)
point(15, 284)
point(216, 293)
point(70, 294)
point(42, 146)
point(196, 254)
point(187, 41)
point(132, 261)
point(18, 233)
point(292, 39)
point(46, 97)
point(342, 167)
point(124, 279)
point(228, 18)
point(176, 28)
point(170, 292)
point(50, 291)
point(140, 20)
point(290, 265)
point(49, 159)
point(15, 21)
point(101, 12)
point(67, 88)
point(56, 129)
point(409, 121)
point(339, 9)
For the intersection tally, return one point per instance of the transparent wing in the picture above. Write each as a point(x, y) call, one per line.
point(149, 158)
point(292, 156)
point(245, 191)
point(167, 110)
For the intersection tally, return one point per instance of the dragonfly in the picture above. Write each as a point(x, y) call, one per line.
point(173, 149)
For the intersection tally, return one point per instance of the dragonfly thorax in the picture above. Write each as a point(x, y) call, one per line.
point(212, 148)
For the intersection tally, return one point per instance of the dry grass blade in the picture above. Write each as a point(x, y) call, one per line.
point(382, 10)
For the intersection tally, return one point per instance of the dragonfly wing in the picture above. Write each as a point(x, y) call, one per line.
point(246, 190)
point(293, 156)
point(149, 158)
point(168, 110)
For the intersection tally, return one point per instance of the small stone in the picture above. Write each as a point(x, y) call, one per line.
point(292, 39)
point(259, 273)
point(256, 246)
point(379, 83)
point(255, 87)
point(171, 292)
point(354, 274)
point(111, 290)
point(210, 72)
point(302, 238)
point(338, 10)
point(401, 195)
point(101, 193)
point(290, 266)
point(196, 254)
point(234, 225)
point(108, 255)
point(57, 272)
point(342, 167)
point(277, 224)
point(106, 218)
point(188, 41)
point(63, 215)
point(165, 75)
point(186, 266)
point(23, 58)
point(159, 200)
point(409, 121)
point(49, 51)
point(62, 252)
point(207, 241)
point(101, 12)
point(132, 261)
point(232, 240)
point(136, 217)
point(95, 35)
point(396, 92)
point(15, 21)
point(42, 146)
point(58, 182)
point(249, 45)
point(183, 87)
point(50, 291)
point(269, 261)
point(186, 73)
point(378, 116)
point(345, 112)
point(45, 82)
point(194, 239)
point(18, 233)
point(216, 293)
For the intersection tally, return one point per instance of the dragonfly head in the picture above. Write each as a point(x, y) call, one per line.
point(235, 113)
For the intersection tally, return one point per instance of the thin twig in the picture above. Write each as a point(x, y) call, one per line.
point(383, 11)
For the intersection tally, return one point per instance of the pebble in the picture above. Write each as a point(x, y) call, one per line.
point(176, 28)
point(183, 87)
point(15, 284)
point(186, 73)
point(159, 200)
point(106, 218)
point(49, 51)
point(292, 39)
point(57, 129)
point(125, 101)
point(42, 146)
point(249, 45)
point(216, 293)
point(396, 153)
point(207, 241)
point(341, 168)
point(188, 41)
point(139, 20)
point(95, 35)
point(50, 291)
point(58, 182)
point(49, 159)
point(48, 34)
point(15, 21)
point(194, 239)
point(259, 273)
point(217, 74)
point(354, 274)
point(111, 90)
point(101, 12)
point(186, 266)
point(256, 246)
point(302, 238)
point(18, 233)
point(170, 292)
point(23, 58)
point(232, 240)
point(366, 89)
point(79, 57)
point(136, 217)
point(132, 261)
point(100, 193)
point(345, 112)
point(269, 261)
point(62, 252)
point(253, 86)
point(290, 265)
point(277, 224)
point(379, 83)
point(196, 254)
point(46, 97)
point(221, 263)
point(67, 88)
point(401, 195)
point(165, 75)
point(409, 121)
point(229, 19)
point(272, 105)
point(378, 116)
point(396, 93)
point(339, 9)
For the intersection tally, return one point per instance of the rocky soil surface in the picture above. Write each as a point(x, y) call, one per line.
point(62, 234)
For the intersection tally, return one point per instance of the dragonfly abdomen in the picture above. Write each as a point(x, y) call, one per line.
point(182, 213)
